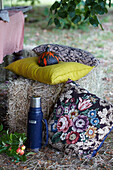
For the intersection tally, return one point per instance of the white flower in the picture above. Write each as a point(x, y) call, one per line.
point(73, 113)
point(89, 142)
point(103, 121)
point(111, 109)
point(80, 152)
point(92, 143)
point(103, 113)
point(102, 132)
point(56, 105)
point(110, 119)
point(66, 95)
point(103, 103)
point(63, 136)
point(79, 144)
point(104, 118)
point(107, 121)
point(62, 97)
point(72, 84)
point(82, 136)
point(66, 109)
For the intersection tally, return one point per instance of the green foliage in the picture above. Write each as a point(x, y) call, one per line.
point(56, 137)
point(1, 127)
point(10, 142)
point(70, 12)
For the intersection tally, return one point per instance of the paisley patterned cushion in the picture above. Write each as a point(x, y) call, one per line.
point(80, 121)
point(68, 54)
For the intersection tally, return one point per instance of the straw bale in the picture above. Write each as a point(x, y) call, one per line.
point(93, 81)
point(20, 92)
point(48, 94)
point(28, 52)
point(17, 104)
point(3, 103)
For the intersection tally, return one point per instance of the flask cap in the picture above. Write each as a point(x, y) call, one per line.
point(35, 102)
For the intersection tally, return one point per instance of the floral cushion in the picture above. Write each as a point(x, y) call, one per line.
point(80, 121)
point(68, 54)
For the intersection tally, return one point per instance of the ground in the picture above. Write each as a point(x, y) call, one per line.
point(99, 43)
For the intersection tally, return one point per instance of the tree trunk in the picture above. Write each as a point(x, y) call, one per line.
point(1, 4)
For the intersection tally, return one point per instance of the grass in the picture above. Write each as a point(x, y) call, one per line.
point(85, 36)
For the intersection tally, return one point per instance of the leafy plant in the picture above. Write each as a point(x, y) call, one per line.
point(13, 144)
point(68, 13)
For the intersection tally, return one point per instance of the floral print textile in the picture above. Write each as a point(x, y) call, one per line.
point(80, 121)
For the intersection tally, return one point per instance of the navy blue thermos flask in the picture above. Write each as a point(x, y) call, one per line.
point(34, 126)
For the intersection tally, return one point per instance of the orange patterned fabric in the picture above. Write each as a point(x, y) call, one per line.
point(48, 58)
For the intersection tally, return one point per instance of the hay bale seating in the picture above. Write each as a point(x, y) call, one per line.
point(20, 90)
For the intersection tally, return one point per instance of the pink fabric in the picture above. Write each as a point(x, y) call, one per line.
point(11, 34)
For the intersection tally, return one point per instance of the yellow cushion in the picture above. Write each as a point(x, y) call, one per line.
point(52, 74)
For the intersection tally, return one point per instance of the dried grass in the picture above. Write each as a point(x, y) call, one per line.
point(48, 158)
point(20, 92)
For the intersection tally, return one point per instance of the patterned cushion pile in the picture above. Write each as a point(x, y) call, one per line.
point(80, 121)
point(69, 54)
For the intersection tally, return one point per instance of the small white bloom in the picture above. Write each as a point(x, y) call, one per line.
point(102, 132)
point(103, 103)
point(68, 94)
point(55, 126)
point(62, 97)
point(110, 119)
point(111, 109)
point(82, 136)
point(80, 144)
point(63, 136)
point(89, 142)
point(103, 113)
point(66, 110)
point(80, 152)
point(103, 121)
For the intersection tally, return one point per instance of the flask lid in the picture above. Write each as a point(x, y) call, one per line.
point(35, 102)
